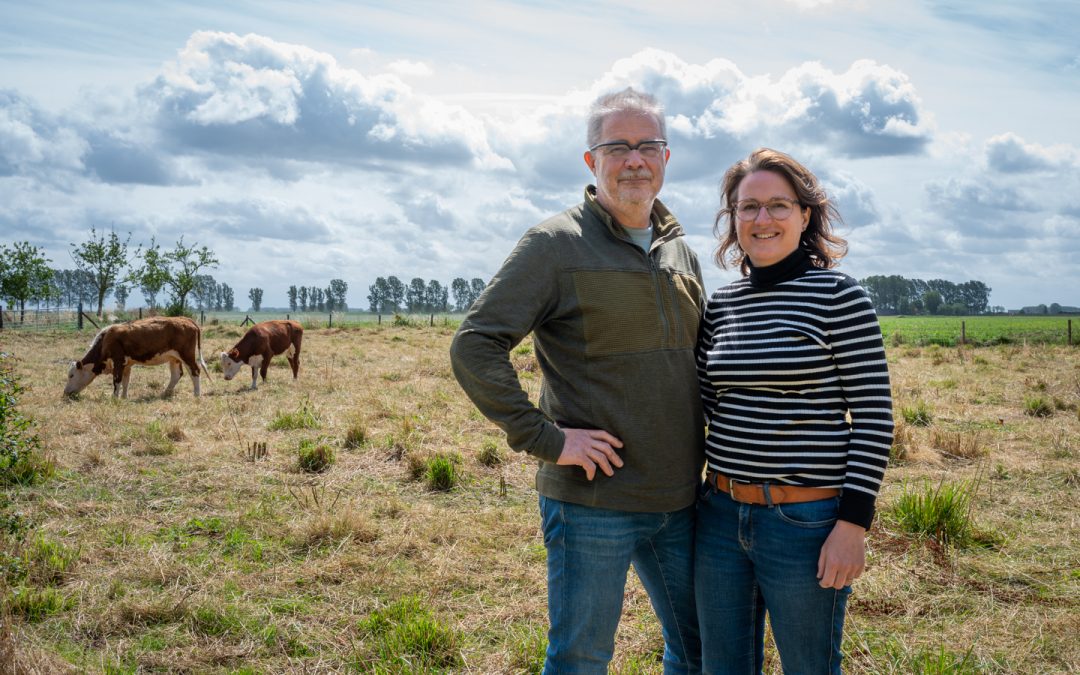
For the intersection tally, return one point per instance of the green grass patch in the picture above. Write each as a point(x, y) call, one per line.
point(305, 417)
point(405, 638)
point(941, 512)
point(314, 456)
point(442, 472)
point(527, 646)
point(1038, 406)
point(917, 414)
point(490, 454)
point(36, 604)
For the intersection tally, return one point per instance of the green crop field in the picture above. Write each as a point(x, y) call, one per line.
point(978, 330)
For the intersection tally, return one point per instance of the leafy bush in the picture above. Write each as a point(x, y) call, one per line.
point(942, 513)
point(314, 457)
point(21, 459)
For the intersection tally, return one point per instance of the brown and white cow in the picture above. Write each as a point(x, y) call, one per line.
point(262, 342)
point(147, 342)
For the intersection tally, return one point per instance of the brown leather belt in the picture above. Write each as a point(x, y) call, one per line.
point(767, 493)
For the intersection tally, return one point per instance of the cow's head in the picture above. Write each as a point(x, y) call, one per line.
point(230, 363)
point(79, 375)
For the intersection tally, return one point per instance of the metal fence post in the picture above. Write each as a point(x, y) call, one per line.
point(330, 320)
point(1, 317)
point(1070, 330)
point(80, 316)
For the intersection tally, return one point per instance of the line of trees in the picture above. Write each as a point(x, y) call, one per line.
point(315, 299)
point(104, 266)
point(389, 294)
point(896, 295)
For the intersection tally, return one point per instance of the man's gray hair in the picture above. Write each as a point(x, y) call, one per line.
point(627, 100)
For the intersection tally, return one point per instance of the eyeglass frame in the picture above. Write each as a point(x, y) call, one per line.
point(775, 201)
point(630, 148)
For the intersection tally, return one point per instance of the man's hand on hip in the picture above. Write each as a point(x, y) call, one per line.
point(589, 448)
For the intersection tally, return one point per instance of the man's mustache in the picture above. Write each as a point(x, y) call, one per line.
point(636, 175)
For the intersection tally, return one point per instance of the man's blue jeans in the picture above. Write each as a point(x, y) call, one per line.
point(589, 552)
point(754, 559)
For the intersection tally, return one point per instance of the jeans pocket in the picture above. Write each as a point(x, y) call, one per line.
point(820, 513)
point(704, 492)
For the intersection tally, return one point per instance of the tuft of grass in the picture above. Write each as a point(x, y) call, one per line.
point(958, 443)
point(918, 414)
point(305, 417)
point(35, 604)
point(334, 527)
point(490, 455)
point(155, 440)
point(314, 457)
point(942, 513)
point(1038, 406)
point(903, 442)
point(356, 436)
point(48, 562)
point(405, 638)
point(441, 472)
point(528, 648)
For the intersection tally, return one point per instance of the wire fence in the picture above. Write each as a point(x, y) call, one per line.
point(79, 319)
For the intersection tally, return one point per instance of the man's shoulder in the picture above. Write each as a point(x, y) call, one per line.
point(564, 222)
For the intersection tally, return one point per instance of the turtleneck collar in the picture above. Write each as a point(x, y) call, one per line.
point(787, 269)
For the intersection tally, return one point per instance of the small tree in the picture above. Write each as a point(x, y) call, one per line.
point(303, 298)
point(396, 293)
point(476, 286)
point(152, 275)
point(103, 257)
point(255, 295)
point(337, 290)
point(228, 298)
point(24, 274)
point(292, 298)
point(416, 294)
point(462, 294)
point(378, 296)
point(121, 294)
point(184, 265)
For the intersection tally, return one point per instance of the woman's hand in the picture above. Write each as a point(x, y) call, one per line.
point(843, 556)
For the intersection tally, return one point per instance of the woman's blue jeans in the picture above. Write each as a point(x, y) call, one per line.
point(751, 560)
point(589, 552)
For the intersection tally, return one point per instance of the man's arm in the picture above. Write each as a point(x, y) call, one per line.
point(522, 295)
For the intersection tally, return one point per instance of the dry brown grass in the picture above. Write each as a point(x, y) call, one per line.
point(205, 559)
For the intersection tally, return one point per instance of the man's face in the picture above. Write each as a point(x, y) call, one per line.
point(630, 181)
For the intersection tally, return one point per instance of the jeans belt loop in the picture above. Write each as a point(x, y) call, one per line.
point(768, 495)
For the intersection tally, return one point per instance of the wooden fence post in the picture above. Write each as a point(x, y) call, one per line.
point(431, 322)
point(1070, 330)
point(963, 332)
point(80, 316)
point(380, 319)
point(330, 320)
point(140, 312)
point(1, 317)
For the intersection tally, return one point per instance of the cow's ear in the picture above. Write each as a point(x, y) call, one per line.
point(234, 355)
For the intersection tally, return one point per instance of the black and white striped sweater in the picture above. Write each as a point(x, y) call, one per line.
point(786, 355)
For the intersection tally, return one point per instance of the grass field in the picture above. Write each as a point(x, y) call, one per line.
point(979, 330)
point(182, 535)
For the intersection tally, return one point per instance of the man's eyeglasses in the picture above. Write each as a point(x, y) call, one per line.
point(620, 149)
point(778, 209)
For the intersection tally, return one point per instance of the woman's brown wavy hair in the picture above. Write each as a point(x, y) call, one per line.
point(824, 248)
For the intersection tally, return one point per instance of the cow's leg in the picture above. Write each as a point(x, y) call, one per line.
point(193, 367)
point(267, 357)
point(294, 360)
point(127, 378)
point(118, 376)
point(176, 371)
point(255, 361)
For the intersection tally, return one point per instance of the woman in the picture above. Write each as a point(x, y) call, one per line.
point(799, 409)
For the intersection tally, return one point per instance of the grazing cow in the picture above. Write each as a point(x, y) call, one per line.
point(262, 342)
point(147, 342)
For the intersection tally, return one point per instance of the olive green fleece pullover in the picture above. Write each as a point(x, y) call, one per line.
point(614, 330)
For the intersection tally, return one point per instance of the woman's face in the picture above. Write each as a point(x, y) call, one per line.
point(764, 238)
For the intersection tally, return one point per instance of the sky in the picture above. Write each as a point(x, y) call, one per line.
point(304, 142)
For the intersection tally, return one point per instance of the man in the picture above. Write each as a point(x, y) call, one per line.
point(613, 296)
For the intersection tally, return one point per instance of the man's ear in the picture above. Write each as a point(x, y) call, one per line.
point(590, 161)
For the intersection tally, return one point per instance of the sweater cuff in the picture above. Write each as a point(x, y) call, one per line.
point(857, 507)
point(549, 445)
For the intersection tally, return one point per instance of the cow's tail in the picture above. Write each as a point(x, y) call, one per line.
point(198, 351)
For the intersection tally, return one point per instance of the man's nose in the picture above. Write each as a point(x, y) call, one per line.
point(634, 158)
